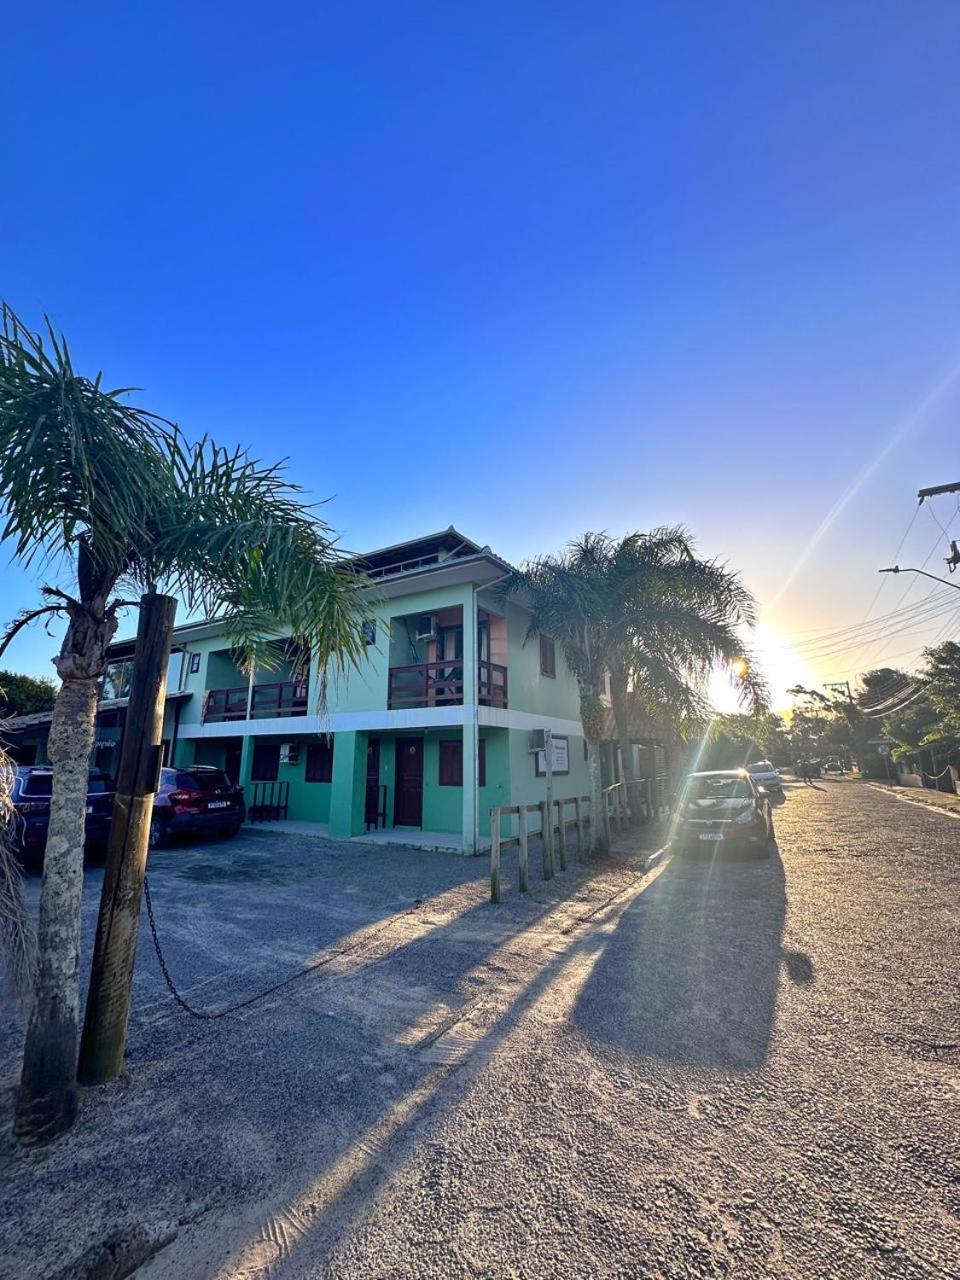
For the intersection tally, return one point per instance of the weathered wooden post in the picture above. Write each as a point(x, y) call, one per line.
point(494, 855)
point(581, 837)
point(523, 860)
point(111, 976)
point(547, 831)
point(562, 828)
point(545, 822)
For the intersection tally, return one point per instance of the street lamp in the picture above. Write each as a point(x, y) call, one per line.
point(896, 569)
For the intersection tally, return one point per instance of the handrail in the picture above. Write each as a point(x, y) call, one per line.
point(277, 698)
point(441, 683)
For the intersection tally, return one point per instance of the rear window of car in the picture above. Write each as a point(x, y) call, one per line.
point(761, 766)
point(202, 780)
point(719, 789)
point(37, 784)
point(41, 784)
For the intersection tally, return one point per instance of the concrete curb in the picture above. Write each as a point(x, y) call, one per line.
point(917, 804)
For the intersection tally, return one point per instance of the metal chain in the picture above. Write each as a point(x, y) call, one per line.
point(213, 1015)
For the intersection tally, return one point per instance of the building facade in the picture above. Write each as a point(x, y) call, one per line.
point(431, 732)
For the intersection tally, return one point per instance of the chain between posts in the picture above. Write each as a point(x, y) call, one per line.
point(212, 1015)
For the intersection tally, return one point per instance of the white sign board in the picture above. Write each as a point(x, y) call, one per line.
point(561, 758)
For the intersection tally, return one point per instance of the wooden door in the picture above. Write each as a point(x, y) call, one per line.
point(408, 805)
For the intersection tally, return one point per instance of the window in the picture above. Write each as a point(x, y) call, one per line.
point(369, 632)
point(320, 761)
point(266, 762)
point(451, 762)
point(194, 663)
point(548, 657)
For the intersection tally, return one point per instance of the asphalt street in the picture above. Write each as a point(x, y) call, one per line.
point(715, 1067)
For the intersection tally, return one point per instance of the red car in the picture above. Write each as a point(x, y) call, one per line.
point(195, 801)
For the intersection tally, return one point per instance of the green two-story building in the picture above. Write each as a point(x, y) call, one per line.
point(436, 727)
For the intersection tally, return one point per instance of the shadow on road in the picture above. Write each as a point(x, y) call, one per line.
point(691, 973)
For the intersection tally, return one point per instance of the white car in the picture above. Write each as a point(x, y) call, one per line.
point(765, 775)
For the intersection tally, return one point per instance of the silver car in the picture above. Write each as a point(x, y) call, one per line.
point(765, 775)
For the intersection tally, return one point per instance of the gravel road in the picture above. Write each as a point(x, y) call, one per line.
point(736, 1068)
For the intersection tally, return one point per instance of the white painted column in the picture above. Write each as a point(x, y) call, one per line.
point(470, 726)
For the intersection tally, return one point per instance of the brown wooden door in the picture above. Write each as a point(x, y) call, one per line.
point(408, 804)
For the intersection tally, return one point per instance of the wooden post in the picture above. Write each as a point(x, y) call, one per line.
point(562, 827)
point(494, 855)
point(111, 977)
point(581, 837)
point(605, 817)
point(523, 861)
point(546, 821)
point(547, 831)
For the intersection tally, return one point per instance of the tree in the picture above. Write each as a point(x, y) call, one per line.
point(734, 741)
point(22, 695)
point(645, 611)
point(113, 497)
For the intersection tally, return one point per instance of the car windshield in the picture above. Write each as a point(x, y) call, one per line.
point(717, 788)
point(202, 780)
point(761, 766)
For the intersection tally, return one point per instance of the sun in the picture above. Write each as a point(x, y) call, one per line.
point(774, 658)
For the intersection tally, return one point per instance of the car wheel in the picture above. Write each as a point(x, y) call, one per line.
point(158, 836)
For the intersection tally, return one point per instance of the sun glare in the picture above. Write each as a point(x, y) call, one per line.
point(776, 660)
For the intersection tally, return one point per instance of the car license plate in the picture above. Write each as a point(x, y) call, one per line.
point(219, 804)
point(711, 835)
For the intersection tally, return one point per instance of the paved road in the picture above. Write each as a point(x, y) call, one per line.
point(742, 1069)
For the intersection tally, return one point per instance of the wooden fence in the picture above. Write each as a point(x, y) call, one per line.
point(553, 837)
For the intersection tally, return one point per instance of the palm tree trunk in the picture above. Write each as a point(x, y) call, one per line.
point(620, 698)
point(598, 827)
point(47, 1099)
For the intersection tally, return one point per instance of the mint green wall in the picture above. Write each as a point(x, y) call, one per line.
point(527, 689)
point(527, 788)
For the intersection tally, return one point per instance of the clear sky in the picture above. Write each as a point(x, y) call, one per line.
point(528, 268)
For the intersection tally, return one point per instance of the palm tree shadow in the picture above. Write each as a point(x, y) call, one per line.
point(691, 973)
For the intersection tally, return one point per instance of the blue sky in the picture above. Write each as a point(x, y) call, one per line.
point(527, 268)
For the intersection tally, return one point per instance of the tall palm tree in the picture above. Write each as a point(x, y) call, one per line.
point(105, 497)
point(645, 611)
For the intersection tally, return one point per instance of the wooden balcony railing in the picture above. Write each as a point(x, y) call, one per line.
point(440, 684)
point(284, 698)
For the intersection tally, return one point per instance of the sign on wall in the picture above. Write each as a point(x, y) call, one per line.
point(561, 758)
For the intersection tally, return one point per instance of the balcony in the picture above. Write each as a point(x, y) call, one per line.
point(284, 698)
point(440, 684)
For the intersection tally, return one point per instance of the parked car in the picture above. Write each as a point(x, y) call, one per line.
point(766, 775)
point(833, 765)
point(32, 789)
point(195, 801)
point(723, 809)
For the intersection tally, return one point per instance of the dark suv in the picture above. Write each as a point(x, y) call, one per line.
point(195, 800)
point(32, 788)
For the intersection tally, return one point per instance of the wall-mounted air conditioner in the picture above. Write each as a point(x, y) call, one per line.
point(289, 752)
point(426, 627)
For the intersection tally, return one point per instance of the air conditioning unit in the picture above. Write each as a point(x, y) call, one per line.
point(289, 752)
point(426, 627)
point(538, 740)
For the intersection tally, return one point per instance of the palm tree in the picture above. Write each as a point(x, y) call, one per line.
point(108, 498)
point(645, 611)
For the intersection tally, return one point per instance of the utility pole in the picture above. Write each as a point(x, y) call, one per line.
point(111, 978)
